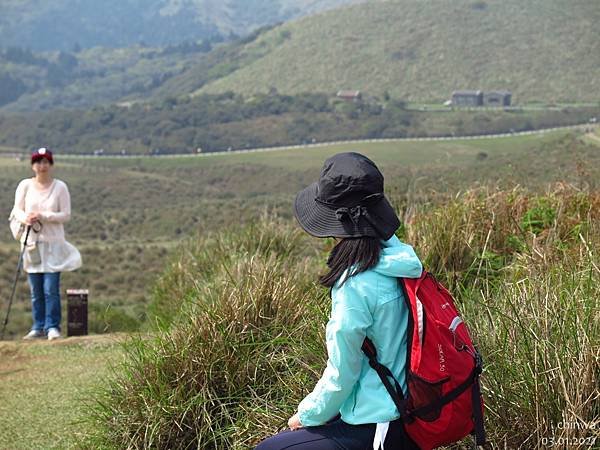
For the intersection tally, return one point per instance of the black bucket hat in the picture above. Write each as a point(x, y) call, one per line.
point(347, 201)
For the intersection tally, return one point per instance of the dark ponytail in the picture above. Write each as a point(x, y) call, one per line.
point(356, 254)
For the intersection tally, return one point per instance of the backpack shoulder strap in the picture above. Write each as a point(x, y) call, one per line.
point(385, 375)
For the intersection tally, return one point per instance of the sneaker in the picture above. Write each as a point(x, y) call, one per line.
point(53, 333)
point(34, 334)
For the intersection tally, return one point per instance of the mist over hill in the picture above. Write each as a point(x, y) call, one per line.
point(68, 24)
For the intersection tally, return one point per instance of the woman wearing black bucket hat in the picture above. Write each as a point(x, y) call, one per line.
point(349, 407)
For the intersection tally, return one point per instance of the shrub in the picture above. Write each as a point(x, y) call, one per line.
point(199, 262)
point(479, 231)
point(243, 349)
point(539, 218)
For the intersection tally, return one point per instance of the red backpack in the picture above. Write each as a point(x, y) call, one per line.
point(443, 403)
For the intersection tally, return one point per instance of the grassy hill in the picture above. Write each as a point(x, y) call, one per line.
point(511, 255)
point(130, 213)
point(31, 81)
point(541, 50)
point(101, 52)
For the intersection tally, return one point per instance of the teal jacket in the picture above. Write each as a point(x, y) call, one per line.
point(369, 304)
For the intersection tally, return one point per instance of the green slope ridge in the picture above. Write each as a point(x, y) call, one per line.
point(541, 50)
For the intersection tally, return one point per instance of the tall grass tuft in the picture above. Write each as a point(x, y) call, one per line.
point(241, 340)
point(541, 341)
point(246, 344)
point(475, 235)
point(206, 260)
point(525, 271)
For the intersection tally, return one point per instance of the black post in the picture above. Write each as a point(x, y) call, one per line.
point(77, 312)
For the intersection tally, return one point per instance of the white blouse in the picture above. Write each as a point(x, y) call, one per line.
point(54, 206)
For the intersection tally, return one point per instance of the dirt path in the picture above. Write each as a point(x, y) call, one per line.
point(15, 354)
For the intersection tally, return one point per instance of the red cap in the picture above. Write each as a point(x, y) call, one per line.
point(42, 153)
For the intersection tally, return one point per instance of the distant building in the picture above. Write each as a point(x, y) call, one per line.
point(497, 98)
point(467, 98)
point(349, 95)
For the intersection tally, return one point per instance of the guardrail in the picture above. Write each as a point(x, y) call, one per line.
point(316, 145)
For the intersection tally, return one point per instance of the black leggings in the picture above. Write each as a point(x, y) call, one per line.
point(337, 435)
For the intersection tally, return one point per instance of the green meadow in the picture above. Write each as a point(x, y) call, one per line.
point(130, 213)
point(45, 389)
point(199, 260)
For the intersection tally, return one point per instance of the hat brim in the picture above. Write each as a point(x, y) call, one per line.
point(320, 221)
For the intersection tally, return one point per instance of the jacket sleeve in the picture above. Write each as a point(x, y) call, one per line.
point(345, 332)
point(18, 210)
point(64, 207)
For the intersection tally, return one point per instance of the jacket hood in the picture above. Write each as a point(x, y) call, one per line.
point(398, 260)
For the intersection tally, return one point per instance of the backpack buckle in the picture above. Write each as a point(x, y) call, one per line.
point(406, 415)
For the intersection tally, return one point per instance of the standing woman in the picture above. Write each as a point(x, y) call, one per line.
point(44, 203)
point(349, 408)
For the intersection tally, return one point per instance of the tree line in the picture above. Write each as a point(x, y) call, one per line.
point(231, 121)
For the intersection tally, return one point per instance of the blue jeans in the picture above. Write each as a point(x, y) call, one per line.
point(45, 300)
